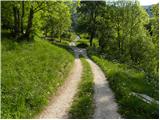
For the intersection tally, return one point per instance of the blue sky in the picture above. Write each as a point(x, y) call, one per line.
point(148, 2)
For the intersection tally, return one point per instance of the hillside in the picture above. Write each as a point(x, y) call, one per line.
point(31, 72)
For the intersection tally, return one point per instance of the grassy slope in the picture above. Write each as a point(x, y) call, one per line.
point(123, 81)
point(31, 72)
point(82, 106)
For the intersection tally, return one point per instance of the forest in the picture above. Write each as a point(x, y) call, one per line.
point(117, 37)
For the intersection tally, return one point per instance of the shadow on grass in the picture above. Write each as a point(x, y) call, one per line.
point(6, 34)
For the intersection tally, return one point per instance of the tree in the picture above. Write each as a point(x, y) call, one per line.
point(18, 12)
point(88, 13)
point(34, 8)
point(57, 19)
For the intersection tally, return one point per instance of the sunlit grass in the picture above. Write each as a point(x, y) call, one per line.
point(31, 72)
point(82, 106)
point(124, 80)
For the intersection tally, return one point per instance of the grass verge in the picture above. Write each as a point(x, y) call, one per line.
point(82, 106)
point(124, 80)
point(31, 72)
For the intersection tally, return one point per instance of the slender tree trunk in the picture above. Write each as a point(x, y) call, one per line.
point(119, 42)
point(91, 38)
point(30, 21)
point(45, 34)
point(15, 22)
point(59, 36)
point(122, 45)
point(22, 18)
point(93, 22)
point(130, 36)
point(18, 21)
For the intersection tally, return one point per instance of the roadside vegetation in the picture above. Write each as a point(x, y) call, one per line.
point(83, 104)
point(119, 35)
point(31, 73)
point(124, 80)
point(32, 67)
point(126, 49)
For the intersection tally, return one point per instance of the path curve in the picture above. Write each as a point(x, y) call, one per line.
point(60, 104)
point(105, 105)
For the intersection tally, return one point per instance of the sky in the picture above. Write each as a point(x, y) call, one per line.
point(142, 2)
point(148, 2)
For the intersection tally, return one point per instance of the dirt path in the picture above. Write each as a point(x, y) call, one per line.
point(105, 105)
point(59, 104)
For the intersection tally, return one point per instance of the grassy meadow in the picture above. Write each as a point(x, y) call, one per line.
point(31, 73)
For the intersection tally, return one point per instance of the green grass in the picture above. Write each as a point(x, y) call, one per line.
point(95, 42)
point(82, 106)
point(124, 80)
point(86, 41)
point(31, 73)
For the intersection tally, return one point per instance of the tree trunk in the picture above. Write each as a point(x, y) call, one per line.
point(92, 23)
point(59, 36)
point(22, 18)
point(15, 22)
point(45, 32)
point(91, 38)
point(119, 43)
point(122, 45)
point(18, 21)
point(30, 21)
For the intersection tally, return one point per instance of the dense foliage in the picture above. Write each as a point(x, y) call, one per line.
point(27, 18)
point(120, 27)
point(88, 12)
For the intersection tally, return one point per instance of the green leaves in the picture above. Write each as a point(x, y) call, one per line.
point(57, 19)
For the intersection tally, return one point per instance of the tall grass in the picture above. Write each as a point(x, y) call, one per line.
point(82, 106)
point(124, 80)
point(31, 72)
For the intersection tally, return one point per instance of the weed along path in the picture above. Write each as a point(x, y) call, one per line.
point(59, 105)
